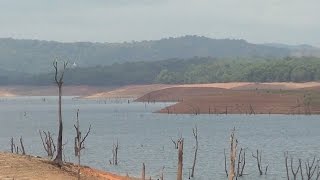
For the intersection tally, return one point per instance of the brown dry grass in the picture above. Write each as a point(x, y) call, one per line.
point(18, 167)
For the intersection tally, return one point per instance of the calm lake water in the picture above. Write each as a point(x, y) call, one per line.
point(146, 137)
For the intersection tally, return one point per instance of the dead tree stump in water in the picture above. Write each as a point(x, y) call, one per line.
point(233, 155)
point(143, 176)
point(180, 159)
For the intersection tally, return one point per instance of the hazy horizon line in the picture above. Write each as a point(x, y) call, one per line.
point(163, 38)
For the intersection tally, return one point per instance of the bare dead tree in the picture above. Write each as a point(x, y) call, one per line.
point(259, 162)
point(14, 147)
point(59, 82)
point(286, 163)
point(79, 141)
point(301, 171)
point(233, 155)
point(318, 171)
point(175, 143)
point(180, 159)
point(115, 149)
point(294, 172)
point(225, 162)
point(241, 162)
point(22, 147)
point(195, 135)
point(310, 168)
point(252, 110)
point(48, 143)
point(143, 176)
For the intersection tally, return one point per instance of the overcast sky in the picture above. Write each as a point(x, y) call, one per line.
point(258, 21)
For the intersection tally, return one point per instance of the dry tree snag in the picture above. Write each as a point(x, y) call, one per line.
point(311, 168)
point(79, 141)
point(115, 149)
point(59, 82)
point(143, 176)
point(48, 143)
point(233, 155)
point(180, 159)
point(22, 147)
point(294, 172)
point(301, 172)
point(286, 163)
point(15, 148)
point(175, 143)
point(195, 135)
point(225, 162)
point(259, 164)
point(241, 162)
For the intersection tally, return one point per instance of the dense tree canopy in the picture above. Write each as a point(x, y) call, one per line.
point(178, 71)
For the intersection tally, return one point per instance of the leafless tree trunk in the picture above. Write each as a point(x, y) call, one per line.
point(286, 163)
point(13, 146)
point(233, 155)
point(225, 162)
point(195, 135)
point(79, 141)
point(174, 143)
point(251, 110)
point(259, 162)
point(143, 172)
point(294, 172)
point(301, 171)
point(115, 149)
point(59, 82)
point(48, 143)
point(241, 162)
point(318, 172)
point(310, 168)
point(180, 159)
point(22, 147)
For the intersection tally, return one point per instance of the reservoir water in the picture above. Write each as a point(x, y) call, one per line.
point(145, 137)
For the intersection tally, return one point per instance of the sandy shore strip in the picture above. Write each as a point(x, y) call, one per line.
point(136, 91)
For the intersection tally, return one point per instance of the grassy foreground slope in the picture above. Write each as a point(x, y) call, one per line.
point(15, 166)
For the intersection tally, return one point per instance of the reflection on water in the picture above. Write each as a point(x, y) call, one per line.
point(146, 137)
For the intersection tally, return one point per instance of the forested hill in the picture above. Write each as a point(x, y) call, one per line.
point(34, 56)
point(179, 71)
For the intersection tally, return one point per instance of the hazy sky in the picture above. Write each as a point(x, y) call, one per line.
point(285, 21)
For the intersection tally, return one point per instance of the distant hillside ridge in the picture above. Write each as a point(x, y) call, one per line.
point(35, 56)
